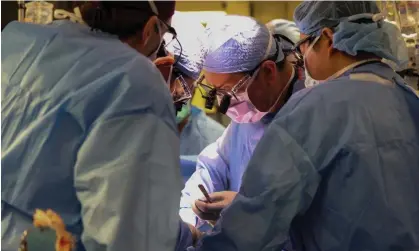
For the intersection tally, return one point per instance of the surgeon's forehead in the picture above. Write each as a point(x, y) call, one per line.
point(223, 80)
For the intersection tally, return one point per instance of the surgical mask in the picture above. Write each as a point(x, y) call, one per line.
point(183, 113)
point(309, 81)
point(242, 110)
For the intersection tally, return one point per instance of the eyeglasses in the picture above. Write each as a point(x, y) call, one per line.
point(297, 46)
point(180, 89)
point(211, 93)
point(170, 37)
point(220, 92)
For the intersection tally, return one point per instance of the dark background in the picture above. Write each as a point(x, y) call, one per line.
point(8, 12)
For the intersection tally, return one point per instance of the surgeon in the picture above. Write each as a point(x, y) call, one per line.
point(285, 27)
point(189, 51)
point(338, 166)
point(247, 65)
point(288, 30)
point(88, 127)
point(197, 130)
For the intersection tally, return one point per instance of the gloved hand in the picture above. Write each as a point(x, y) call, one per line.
point(196, 234)
point(211, 211)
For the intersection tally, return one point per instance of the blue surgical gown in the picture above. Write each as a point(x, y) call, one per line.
point(338, 168)
point(220, 166)
point(88, 130)
point(199, 132)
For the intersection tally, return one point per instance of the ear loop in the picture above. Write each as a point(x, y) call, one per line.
point(157, 29)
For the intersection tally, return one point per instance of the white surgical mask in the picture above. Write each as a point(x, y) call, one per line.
point(309, 80)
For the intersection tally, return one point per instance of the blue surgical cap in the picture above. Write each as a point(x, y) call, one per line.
point(358, 27)
point(191, 39)
point(285, 28)
point(239, 44)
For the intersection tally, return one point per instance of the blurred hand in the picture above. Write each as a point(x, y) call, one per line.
point(196, 234)
point(211, 211)
point(165, 64)
point(168, 60)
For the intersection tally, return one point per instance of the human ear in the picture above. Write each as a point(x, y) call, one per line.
point(267, 73)
point(328, 35)
point(150, 29)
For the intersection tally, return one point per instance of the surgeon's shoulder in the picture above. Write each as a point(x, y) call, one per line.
point(325, 104)
point(143, 74)
point(131, 84)
point(305, 101)
point(145, 85)
point(296, 99)
point(16, 26)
